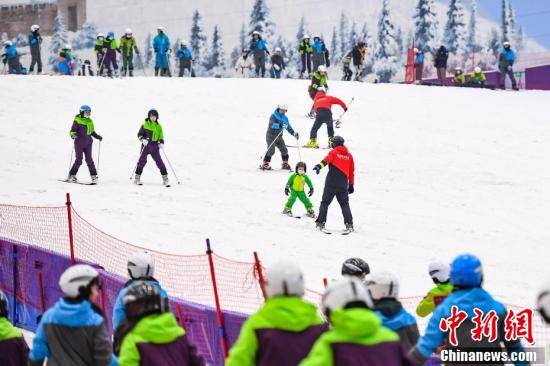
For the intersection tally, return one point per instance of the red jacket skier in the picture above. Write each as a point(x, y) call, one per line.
point(322, 105)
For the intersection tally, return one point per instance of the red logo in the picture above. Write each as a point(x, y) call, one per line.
point(485, 326)
point(519, 325)
point(452, 323)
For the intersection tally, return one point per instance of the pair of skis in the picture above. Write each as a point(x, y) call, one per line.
point(323, 230)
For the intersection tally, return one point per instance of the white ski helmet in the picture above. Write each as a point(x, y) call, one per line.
point(305, 36)
point(416, 50)
point(77, 278)
point(278, 49)
point(322, 89)
point(322, 68)
point(506, 44)
point(283, 106)
point(67, 47)
point(381, 285)
point(543, 303)
point(183, 42)
point(284, 278)
point(477, 69)
point(439, 271)
point(35, 27)
point(161, 28)
point(100, 35)
point(128, 31)
point(7, 43)
point(343, 292)
point(256, 33)
point(141, 265)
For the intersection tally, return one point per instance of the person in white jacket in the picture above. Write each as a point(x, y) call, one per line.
point(244, 65)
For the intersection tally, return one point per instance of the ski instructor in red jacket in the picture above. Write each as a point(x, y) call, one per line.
point(339, 183)
point(322, 106)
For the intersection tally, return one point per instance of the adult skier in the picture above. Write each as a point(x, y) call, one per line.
point(320, 55)
point(100, 52)
point(152, 140)
point(278, 122)
point(358, 54)
point(318, 80)
point(440, 273)
point(418, 65)
point(259, 50)
point(244, 65)
point(82, 132)
point(338, 183)
point(283, 331)
point(161, 45)
point(13, 348)
point(277, 64)
point(506, 61)
point(355, 267)
point(128, 46)
point(35, 42)
point(11, 58)
point(186, 58)
point(346, 62)
point(305, 49)
point(295, 189)
point(322, 107)
point(111, 48)
point(440, 63)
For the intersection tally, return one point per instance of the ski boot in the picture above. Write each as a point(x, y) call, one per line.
point(165, 180)
point(349, 228)
point(131, 72)
point(320, 226)
point(72, 178)
point(330, 142)
point(287, 211)
point(312, 144)
point(137, 179)
point(310, 213)
point(285, 166)
point(265, 166)
point(94, 179)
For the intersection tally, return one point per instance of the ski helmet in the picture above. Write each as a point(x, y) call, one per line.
point(337, 141)
point(439, 271)
point(305, 36)
point(256, 33)
point(128, 31)
point(467, 271)
point(282, 106)
point(278, 49)
point(4, 305)
point(85, 108)
point(284, 278)
point(35, 27)
point(301, 164)
point(348, 292)
point(416, 50)
point(111, 34)
point(100, 35)
point(77, 280)
point(183, 42)
point(143, 298)
point(141, 265)
point(355, 267)
point(477, 70)
point(381, 285)
point(316, 37)
point(506, 44)
point(322, 89)
point(322, 68)
point(153, 112)
point(543, 304)
point(7, 43)
point(67, 47)
point(161, 28)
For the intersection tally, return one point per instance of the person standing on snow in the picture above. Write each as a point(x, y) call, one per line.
point(35, 42)
point(152, 140)
point(506, 61)
point(82, 132)
point(358, 54)
point(320, 53)
point(295, 189)
point(14, 350)
point(439, 271)
point(322, 107)
point(305, 49)
point(128, 46)
point(277, 64)
point(186, 58)
point(244, 65)
point(418, 65)
point(11, 58)
point(278, 122)
point(338, 183)
point(260, 52)
point(161, 45)
point(440, 63)
point(110, 48)
point(100, 53)
point(283, 331)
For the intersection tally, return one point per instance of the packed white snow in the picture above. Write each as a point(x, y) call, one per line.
point(440, 171)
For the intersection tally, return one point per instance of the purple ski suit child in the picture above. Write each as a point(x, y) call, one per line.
point(152, 140)
point(82, 132)
point(111, 48)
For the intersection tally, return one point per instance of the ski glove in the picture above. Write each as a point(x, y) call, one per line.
point(310, 193)
point(350, 189)
point(144, 142)
point(161, 146)
point(99, 138)
point(317, 168)
point(287, 190)
point(509, 67)
point(296, 136)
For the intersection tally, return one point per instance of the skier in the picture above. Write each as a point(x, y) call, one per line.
point(283, 331)
point(339, 183)
point(440, 63)
point(459, 79)
point(152, 140)
point(35, 41)
point(100, 52)
point(357, 336)
point(277, 64)
point(128, 46)
point(418, 65)
point(13, 348)
point(346, 61)
point(186, 57)
point(278, 122)
point(543, 304)
point(73, 331)
point(358, 54)
point(161, 45)
point(477, 78)
point(355, 267)
point(11, 58)
point(467, 278)
point(141, 267)
point(320, 53)
point(322, 107)
point(259, 50)
point(318, 80)
point(111, 48)
point(505, 65)
point(305, 49)
point(244, 65)
point(64, 65)
point(295, 188)
point(383, 287)
point(86, 69)
point(439, 271)
point(82, 132)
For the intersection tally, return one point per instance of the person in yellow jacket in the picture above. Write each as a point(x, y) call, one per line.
point(295, 188)
point(440, 273)
point(128, 46)
point(477, 78)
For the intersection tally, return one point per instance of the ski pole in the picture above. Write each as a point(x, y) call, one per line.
point(98, 155)
point(135, 167)
point(100, 70)
point(269, 147)
point(299, 149)
point(338, 122)
point(71, 161)
point(171, 168)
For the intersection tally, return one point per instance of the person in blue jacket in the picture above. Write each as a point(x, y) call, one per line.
point(384, 290)
point(73, 331)
point(278, 122)
point(141, 267)
point(418, 64)
point(320, 53)
point(467, 279)
point(186, 57)
point(161, 45)
point(11, 58)
point(35, 41)
point(259, 50)
point(505, 65)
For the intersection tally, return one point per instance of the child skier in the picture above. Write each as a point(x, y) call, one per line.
point(82, 132)
point(152, 141)
point(440, 272)
point(322, 106)
point(274, 137)
point(13, 348)
point(295, 188)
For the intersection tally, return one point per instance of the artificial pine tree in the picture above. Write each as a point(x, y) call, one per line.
point(425, 30)
point(86, 37)
point(386, 64)
point(260, 20)
point(59, 39)
point(454, 37)
point(198, 42)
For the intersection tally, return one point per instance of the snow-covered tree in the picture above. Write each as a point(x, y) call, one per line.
point(236, 53)
point(4, 37)
point(386, 64)
point(216, 58)
point(148, 50)
point(520, 39)
point(86, 37)
point(260, 20)
point(494, 44)
point(369, 56)
point(425, 26)
point(512, 22)
point(59, 39)
point(21, 40)
point(198, 41)
point(302, 29)
point(353, 36)
point(455, 29)
point(334, 46)
point(400, 41)
point(472, 43)
point(505, 26)
point(343, 32)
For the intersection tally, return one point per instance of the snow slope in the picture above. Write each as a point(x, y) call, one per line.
point(439, 171)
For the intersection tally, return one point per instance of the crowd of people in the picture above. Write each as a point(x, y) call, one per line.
point(362, 321)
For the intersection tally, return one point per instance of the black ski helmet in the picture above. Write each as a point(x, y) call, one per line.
point(301, 164)
point(3, 305)
point(143, 298)
point(337, 141)
point(153, 112)
point(355, 267)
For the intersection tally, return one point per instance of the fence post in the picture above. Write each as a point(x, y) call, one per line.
point(70, 221)
point(259, 270)
point(15, 264)
point(38, 266)
point(221, 326)
point(180, 316)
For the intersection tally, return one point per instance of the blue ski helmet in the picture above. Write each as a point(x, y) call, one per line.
point(111, 34)
point(153, 112)
point(85, 108)
point(467, 271)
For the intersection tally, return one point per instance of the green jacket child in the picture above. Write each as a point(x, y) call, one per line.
point(295, 188)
